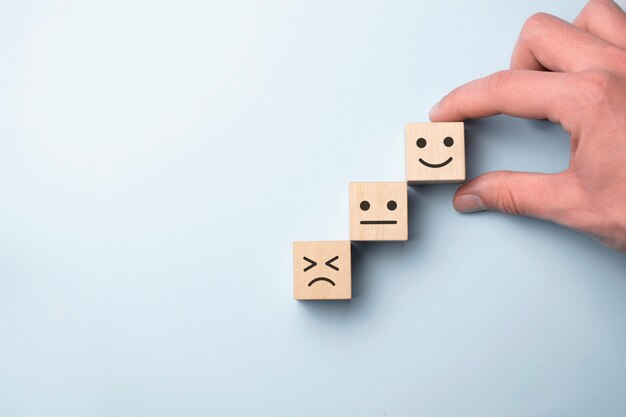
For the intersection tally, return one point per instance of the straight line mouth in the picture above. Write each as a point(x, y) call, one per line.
point(379, 222)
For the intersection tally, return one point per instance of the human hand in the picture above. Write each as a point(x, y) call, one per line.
point(573, 75)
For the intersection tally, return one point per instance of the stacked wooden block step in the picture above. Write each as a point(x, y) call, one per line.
point(435, 153)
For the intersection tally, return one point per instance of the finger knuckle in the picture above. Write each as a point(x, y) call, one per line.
point(498, 80)
point(505, 198)
point(535, 24)
point(596, 88)
point(449, 98)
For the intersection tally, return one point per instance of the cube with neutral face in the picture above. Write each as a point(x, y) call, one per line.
point(378, 211)
point(322, 270)
point(435, 152)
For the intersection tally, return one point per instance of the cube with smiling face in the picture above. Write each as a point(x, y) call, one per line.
point(378, 211)
point(435, 152)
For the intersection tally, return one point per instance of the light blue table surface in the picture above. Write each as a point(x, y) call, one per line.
point(157, 159)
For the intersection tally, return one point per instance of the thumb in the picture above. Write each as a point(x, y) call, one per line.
point(517, 193)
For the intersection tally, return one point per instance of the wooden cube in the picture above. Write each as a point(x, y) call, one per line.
point(435, 152)
point(322, 270)
point(378, 211)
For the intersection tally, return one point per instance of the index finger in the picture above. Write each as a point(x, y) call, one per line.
point(520, 93)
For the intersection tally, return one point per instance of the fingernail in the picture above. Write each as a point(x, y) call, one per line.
point(434, 109)
point(469, 203)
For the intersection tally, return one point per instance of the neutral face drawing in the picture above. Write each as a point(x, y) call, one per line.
point(435, 152)
point(378, 211)
point(322, 270)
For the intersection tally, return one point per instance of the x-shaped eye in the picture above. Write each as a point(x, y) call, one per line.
point(313, 263)
point(329, 262)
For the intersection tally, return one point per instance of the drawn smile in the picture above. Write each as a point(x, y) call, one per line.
point(318, 279)
point(429, 165)
point(379, 222)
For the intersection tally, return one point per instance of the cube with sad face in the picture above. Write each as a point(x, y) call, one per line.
point(322, 270)
point(435, 152)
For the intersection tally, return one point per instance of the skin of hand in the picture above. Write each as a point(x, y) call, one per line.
point(573, 74)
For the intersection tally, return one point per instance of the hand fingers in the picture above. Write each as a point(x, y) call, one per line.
point(528, 94)
point(604, 19)
point(549, 42)
point(543, 196)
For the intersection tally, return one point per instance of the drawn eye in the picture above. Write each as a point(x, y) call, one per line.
point(421, 143)
point(311, 261)
point(329, 263)
point(392, 205)
point(365, 205)
point(448, 141)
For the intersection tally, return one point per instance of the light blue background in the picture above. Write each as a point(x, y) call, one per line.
point(157, 159)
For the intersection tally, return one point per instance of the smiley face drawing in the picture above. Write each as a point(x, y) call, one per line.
point(322, 270)
point(378, 211)
point(435, 152)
